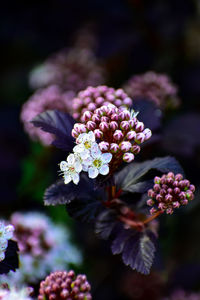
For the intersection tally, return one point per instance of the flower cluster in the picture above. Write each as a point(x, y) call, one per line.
point(87, 157)
point(72, 69)
point(6, 233)
point(14, 294)
point(155, 87)
point(95, 97)
point(44, 247)
point(169, 192)
point(65, 285)
point(45, 99)
point(117, 129)
point(182, 295)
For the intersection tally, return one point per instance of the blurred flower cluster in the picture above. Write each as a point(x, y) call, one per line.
point(6, 233)
point(44, 247)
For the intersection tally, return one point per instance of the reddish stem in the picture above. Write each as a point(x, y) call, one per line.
point(152, 217)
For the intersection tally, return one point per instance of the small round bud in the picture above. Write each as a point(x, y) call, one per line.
point(104, 146)
point(114, 148)
point(140, 138)
point(118, 135)
point(103, 126)
point(125, 146)
point(128, 157)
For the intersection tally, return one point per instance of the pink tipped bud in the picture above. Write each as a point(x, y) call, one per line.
point(168, 198)
point(132, 122)
point(104, 119)
point(91, 125)
point(125, 146)
point(114, 117)
point(170, 175)
point(139, 126)
point(153, 211)
point(140, 138)
point(96, 118)
point(190, 195)
point(91, 106)
point(147, 132)
point(98, 133)
point(179, 177)
point(104, 126)
point(124, 115)
point(157, 180)
point(113, 125)
point(131, 135)
point(114, 148)
point(159, 198)
point(192, 188)
point(80, 128)
point(182, 195)
point(184, 202)
point(118, 102)
point(177, 190)
point(75, 134)
point(170, 190)
point(128, 157)
point(161, 206)
point(135, 149)
point(169, 211)
point(151, 193)
point(118, 135)
point(150, 202)
point(127, 101)
point(87, 100)
point(176, 204)
point(104, 146)
point(76, 116)
point(125, 125)
point(156, 187)
point(99, 100)
point(86, 116)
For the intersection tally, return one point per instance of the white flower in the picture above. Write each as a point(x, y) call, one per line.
point(97, 163)
point(85, 142)
point(71, 169)
point(6, 233)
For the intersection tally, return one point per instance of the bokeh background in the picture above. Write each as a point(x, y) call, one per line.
point(131, 37)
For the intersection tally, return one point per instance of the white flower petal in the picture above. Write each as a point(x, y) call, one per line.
point(106, 157)
point(104, 170)
point(93, 172)
point(75, 178)
point(2, 256)
point(79, 148)
point(84, 154)
point(81, 137)
point(71, 159)
point(95, 151)
point(64, 166)
point(67, 178)
point(91, 136)
point(78, 166)
point(88, 161)
point(9, 231)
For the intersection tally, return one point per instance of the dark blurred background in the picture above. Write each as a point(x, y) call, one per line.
point(133, 36)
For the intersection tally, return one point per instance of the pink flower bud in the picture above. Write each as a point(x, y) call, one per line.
point(153, 211)
point(177, 190)
point(176, 183)
point(128, 157)
point(157, 180)
point(131, 135)
point(125, 125)
point(98, 133)
point(124, 115)
point(119, 93)
point(99, 100)
point(184, 202)
point(169, 190)
point(169, 211)
point(76, 116)
point(86, 116)
point(168, 198)
point(161, 206)
point(192, 188)
point(114, 117)
point(104, 126)
point(170, 175)
point(118, 102)
point(159, 198)
point(80, 128)
point(139, 126)
point(113, 125)
point(125, 146)
point(91, 125)
point(140, 138)
point(176, 204)
point(182, 195)
point(156, 187)
point(150, 202)
point(114, 148)
point(128, 101)
point(110, 97)
point(87, 100)
point(118, 135)
point(75, 134)
point(135, 149)
point(96, 118)
point(104, 146)
point(151, 193)
point(147, 132)
point(104, 119)
point(91, 106)
point(178, 177)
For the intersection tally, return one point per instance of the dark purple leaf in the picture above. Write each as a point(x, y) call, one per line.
point(58, 123)
point(11, 261)
point(129, 179)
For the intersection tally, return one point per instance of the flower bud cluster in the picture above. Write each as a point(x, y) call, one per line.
point(153, 86)
point(87, 157)
point(6, 233)
point(44, 247)
point(65, 285)
point(95, 97)
point(49, 98)
point(169, 192)
point(118, 130)
point(72, 69)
